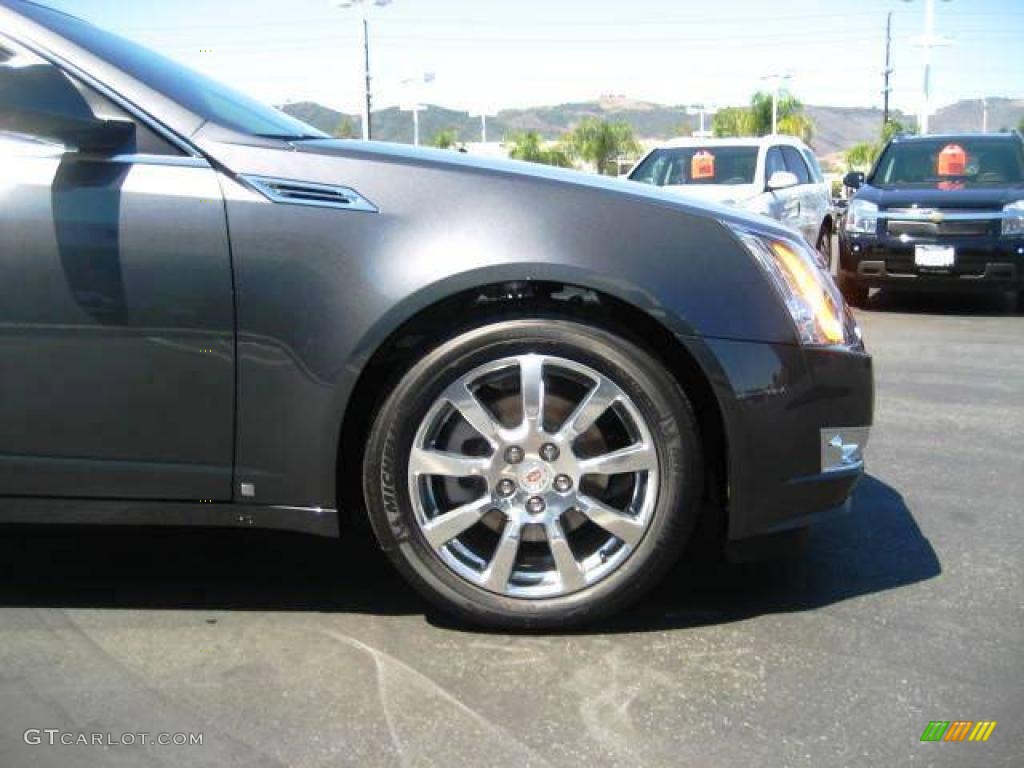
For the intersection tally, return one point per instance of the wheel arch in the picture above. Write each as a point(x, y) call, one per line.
point(668, 339)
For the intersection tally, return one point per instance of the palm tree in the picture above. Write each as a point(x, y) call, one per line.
point(601, 143)
point(446, 139)
point(756, 120)
point(733, 121)
point(529, 146)
point(344, 129)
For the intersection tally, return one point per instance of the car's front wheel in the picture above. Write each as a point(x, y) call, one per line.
point(534, 473)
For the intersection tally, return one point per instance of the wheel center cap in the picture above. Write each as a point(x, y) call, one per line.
point(535, 477)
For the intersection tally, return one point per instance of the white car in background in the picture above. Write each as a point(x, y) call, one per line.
point(776, 176)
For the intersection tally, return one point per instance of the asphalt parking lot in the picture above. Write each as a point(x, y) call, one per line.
point(287, 650)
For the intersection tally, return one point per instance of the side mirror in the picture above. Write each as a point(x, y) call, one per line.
point(89, 135)
point(41, 101)
point(853, 180)
point(782, 180)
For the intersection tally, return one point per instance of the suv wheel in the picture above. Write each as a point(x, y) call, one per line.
point(534, 473)
point(854, 291)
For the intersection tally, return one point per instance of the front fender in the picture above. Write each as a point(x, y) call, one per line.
point(318, 290)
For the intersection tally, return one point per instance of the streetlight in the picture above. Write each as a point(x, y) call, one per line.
point(702, 110)
point(483, 113)
point(776, 79)
point(415, 106)
point(364, 7)
point(928, 41)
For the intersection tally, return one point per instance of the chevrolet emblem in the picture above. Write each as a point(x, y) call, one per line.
point(936, 217)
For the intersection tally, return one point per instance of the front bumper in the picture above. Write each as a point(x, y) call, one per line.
point(796, 422)
point(989, 263)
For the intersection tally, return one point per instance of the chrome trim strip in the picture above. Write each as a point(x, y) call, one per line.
point(35, 510)
point(146, 159)
point(937, 216)
point(349, 199)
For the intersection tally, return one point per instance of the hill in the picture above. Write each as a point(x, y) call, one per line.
point(836, 128)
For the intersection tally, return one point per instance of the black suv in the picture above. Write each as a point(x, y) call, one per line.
point(937, 212)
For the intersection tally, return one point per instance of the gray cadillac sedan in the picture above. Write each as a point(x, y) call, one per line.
point(535, 384)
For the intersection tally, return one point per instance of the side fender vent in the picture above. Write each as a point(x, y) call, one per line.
point(292, 192)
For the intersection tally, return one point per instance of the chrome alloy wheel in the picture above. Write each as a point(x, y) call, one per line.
point(533, 476)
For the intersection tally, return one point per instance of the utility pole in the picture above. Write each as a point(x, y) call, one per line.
point(368, 98)
point(984, 115)
point(887, 72)
point(368, 91)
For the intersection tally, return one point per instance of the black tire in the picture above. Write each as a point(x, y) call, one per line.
point(654, 392)
point(854, 291)
point(824, 244)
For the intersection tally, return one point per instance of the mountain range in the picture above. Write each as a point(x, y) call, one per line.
point(835, 128)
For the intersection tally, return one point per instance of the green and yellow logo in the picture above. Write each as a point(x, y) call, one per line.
point(958, 730)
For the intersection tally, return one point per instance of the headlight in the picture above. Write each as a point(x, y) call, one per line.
point(862, 217)
point(808, 292)
point(1013, 218)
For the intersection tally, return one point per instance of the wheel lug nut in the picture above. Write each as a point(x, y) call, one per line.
point(563, 483)
point(514, 454)
point(535, 505)
point(506, 487)
point(549, 451)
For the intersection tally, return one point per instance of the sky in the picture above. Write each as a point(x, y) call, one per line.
point(498, 54)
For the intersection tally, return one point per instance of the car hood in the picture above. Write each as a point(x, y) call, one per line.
point(726, 194)
point(244, 155)
point(930, 197)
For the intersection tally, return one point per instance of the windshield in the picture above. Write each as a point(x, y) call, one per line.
point(951, 163)
point(197, 93)
point(697, 165)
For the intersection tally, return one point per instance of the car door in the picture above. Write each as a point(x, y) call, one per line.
point(117, 358)
point(808, 208)
point(820, 191)
point(783, 204)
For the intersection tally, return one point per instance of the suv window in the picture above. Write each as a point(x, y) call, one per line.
point(952, 162)
point(35, 95)
point(698, 165)
point(773, 162)
point(812, 162)
point(796, 165)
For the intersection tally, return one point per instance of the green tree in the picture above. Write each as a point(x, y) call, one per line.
point(861, 155)
point(601, 143)
point(344, 129)
point(756, 120)
point(529, 146)
point(1020, 125)
point(446, 139)
point(733, 121)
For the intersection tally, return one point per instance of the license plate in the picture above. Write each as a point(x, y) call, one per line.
point(934, 256)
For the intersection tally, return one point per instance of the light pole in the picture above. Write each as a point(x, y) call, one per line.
point(776, 79)
point(928, 41)
point(483, 113)
point(414, 105)
point(368, 101)
point(702, 111)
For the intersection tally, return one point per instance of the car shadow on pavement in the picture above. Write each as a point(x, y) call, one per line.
point(876, 547)
point(197, 569)
point(922, 303)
